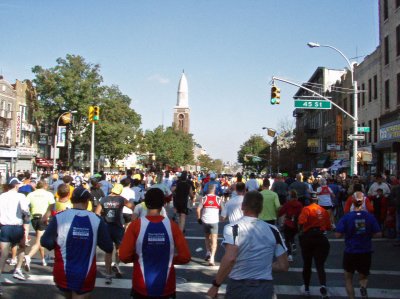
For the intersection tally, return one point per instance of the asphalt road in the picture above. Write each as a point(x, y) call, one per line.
point(193, 280)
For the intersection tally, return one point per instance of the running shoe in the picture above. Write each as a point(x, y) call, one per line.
point(208, 256)
point(211, 263)
point(19, 275)
point(12, 262)
point(44, 262)
point(27, 263)
point(324, 292)
point(306, 293)
point(108, 279)
point(116, 270)
point(290, 258)
point(364, 293)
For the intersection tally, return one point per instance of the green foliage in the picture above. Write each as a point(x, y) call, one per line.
point(255, 146)
point(118, 129)
point(74, 85)
point(209, 164)
point(171, 147)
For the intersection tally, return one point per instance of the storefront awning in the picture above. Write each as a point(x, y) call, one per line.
point(42, 162)
point(322, 159)
point(336, 165)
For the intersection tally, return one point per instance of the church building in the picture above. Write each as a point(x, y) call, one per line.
point(181, 110)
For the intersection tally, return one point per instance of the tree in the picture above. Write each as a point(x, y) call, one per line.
point(253, 153)
point(118, 128)
point(171, 147)
point(72, 85)
point(205, 162)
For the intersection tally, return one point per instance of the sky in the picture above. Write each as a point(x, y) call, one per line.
point(229, 50)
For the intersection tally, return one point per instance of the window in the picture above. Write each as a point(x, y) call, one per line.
point(375, 130)
point(362, 94)
point(369, 90)
point(369, 134)
point(375, 87)
point(386, 49)
point(398, 89)
point(24, 112)
point(387, 97)
point(398, 40)
point(385, 9)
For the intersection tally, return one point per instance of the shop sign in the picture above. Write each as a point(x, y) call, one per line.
point(8, 153)
point(43, 139)
point(312, 142)
point(390, 131)
point(339, 128)
point(343, 155)
point(26, 151)
point(18, 128)
point(333, 147)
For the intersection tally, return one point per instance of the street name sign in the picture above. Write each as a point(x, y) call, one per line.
point(360, 137)
point(363, 129)
point(312, 104)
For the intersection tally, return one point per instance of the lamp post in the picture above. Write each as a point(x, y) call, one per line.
point(355, 116)
point(56, 137)
point(273, 133)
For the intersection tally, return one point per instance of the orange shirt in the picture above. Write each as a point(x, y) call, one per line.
point(314, 216)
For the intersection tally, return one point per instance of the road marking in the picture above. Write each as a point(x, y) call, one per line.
point(330, 240)
point(196, 287)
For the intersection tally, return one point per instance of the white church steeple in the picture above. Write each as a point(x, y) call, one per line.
point(183, 92)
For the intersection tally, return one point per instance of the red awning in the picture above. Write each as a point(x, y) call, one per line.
point(42, 162)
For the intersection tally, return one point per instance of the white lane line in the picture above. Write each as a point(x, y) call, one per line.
point(195, 287)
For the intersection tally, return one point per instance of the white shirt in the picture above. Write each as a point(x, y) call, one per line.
point(252, 185)
point(129, 195)
point(324, 200)
point(210, 215)
point(375, 186)
point(138, 193)
point(141, 210)
point(233, 209)
point(257, 248)
point(12, 204)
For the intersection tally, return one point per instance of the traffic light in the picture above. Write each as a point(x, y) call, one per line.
point(275, 95)
point(94, 114)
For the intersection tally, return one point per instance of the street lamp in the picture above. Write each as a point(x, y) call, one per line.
point(355, 116)
point(271, 133)
point(56, 136)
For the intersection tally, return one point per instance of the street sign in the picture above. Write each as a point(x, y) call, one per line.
point(360, 137)
point(312, 104)
point(363, 129)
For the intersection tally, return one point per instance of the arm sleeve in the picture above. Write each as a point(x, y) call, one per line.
point(277, 202)
point(182, 248)
point(103, 238)
point(228, 236)
point(49, 237)
point(127, 250)
point(369, 205)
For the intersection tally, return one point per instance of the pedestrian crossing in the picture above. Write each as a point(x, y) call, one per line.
point(197, 289)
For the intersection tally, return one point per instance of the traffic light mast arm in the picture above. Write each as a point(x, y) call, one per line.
point(316, 93)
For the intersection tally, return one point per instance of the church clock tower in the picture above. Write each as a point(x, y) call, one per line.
point(182, 110)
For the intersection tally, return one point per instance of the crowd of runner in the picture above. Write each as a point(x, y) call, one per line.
point(126, 215)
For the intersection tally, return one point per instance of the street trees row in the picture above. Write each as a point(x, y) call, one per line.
point(73, 85)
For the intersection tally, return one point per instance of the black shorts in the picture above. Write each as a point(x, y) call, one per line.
point(38, 224)
point(116, 233)
point(181, 207)
point(127, 218)
point(360, 262)
point(12, 234)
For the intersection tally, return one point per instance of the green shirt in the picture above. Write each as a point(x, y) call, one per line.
point(271, 205)
point(39, 201)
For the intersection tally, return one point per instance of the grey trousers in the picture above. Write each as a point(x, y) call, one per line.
point(249, 289)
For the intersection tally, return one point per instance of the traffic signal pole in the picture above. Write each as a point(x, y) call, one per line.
point(92, 150)
point(353, 117)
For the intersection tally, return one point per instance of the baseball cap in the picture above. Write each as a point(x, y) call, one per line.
point(154, 198)
point(117, 189)
point(80, 195)
point(212, 175)
point(14, 181)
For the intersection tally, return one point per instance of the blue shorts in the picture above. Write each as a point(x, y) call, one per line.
point(116, 233)
point(12, 234)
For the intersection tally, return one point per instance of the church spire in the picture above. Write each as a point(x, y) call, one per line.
point(183, 93)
